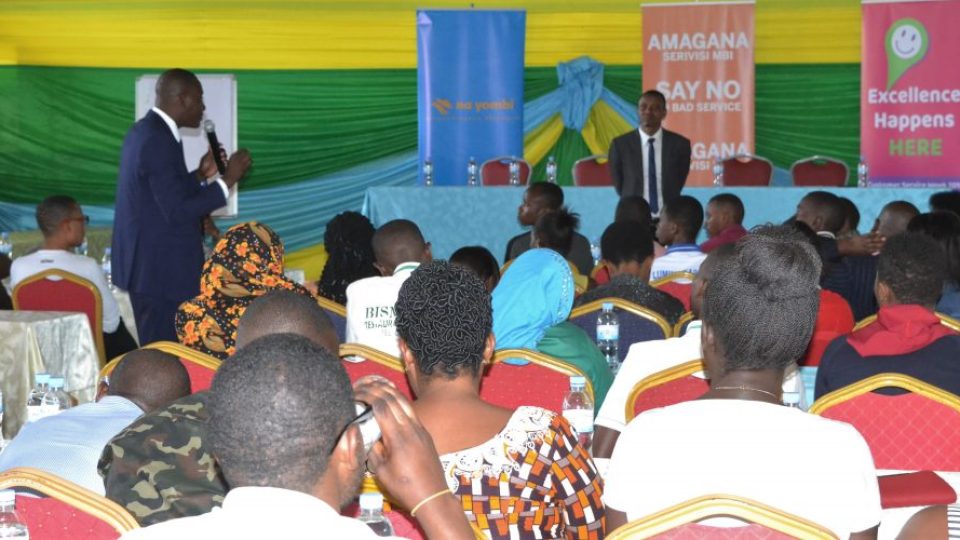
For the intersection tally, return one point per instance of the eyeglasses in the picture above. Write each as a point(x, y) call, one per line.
point(84, 218)
point(363, 416)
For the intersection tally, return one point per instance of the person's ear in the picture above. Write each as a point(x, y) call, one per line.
point(347, 460)
point(380, 268)
point(489, 346)
point(428, 252)
point(708, 350)
point(409, 364)
point(884, 293)
point(817, 223)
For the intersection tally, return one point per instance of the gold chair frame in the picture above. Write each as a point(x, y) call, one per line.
point(629, 307)
point(543, 360)
point(330, 305)
point(176, 349)
point(684, 319)
point(661, 377)
point(673, 276)
point(885, 380)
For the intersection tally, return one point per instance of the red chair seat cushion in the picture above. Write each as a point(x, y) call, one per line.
point(50, 519)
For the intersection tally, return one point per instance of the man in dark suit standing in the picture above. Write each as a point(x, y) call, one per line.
point(650, 162)
point(160, 208)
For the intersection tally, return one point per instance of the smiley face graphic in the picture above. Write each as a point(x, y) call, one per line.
point(906, 41)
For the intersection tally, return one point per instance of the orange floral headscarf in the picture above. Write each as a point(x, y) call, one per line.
point(246, 263)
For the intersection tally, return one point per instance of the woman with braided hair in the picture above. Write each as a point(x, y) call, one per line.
point(348, 241)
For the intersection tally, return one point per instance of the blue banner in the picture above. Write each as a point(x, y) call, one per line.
point(470, 89)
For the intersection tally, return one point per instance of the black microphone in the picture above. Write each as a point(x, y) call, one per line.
point(215, 145)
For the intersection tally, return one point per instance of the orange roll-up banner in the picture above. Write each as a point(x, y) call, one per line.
point(701, 57)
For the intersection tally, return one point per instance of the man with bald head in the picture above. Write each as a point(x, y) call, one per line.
point(399, 248)
point(894, 218)
point(68, 444)
point(161, 205)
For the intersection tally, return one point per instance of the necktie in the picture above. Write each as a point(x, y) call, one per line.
point(652, 177)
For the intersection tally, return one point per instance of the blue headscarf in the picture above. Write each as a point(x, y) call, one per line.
point(535, 293)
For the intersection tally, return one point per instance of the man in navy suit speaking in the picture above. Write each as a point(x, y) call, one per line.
point(160, 208)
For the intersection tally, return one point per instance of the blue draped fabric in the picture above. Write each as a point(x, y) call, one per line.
point(581, 84)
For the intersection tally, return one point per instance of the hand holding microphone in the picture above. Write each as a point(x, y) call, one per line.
point(233, 169)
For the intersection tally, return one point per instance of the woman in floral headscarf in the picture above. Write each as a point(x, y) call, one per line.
point(246, 264)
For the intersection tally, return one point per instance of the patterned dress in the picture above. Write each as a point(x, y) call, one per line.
point(531, 480)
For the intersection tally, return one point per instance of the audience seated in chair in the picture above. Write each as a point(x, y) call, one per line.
point(68, 444)
point(247, 262)
point(539, 199)
point(556, 231)
point(399, 248)
point(627, 251)
point(444, 321)
point(679, 225)
point(944, 227)
point(284, 427)
point(348, 240)
point(531, 306)
point(758, 314)
point(481, 262)
point(724, 221)
point(907, 336)
point(629, 208)
point(63, 224)
point(162, 467)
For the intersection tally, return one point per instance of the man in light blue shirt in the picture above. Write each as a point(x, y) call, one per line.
point(69, 444)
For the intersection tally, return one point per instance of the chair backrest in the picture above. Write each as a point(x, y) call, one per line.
point(945, 320)
point(637, 323)
point(542, 382)
point(678, 285)
point(668, 387)
point(200, 367)
point(373, 362)
point(680, 328)
point(59, 290)
point(496, 171)
point(680, 522)
point(338, 316)
point(819, 171)
point(66, 510)
point(747, 170)
point(910, 431)
point(592, 171)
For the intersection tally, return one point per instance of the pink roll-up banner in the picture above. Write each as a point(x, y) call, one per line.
point(701, 57)
point(910, 93)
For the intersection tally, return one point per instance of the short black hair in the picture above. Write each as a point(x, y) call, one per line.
point(276, 408)
point(656, 94)
point(914, 266)
point(479, 260)
point(626, 241)
point(948, 201)
point(398, 241)
point(827, 206)
point(815, 240)
point(286, 312)
point(150, 378)
point(348, 240)
point(762, 301)
point(633, 208)
point(732, 202)
point(444, 314)
point(944, 227)
point(555, 230)
point(851, 214)
point(687, 213)
point(550, 194)
point(52, 211)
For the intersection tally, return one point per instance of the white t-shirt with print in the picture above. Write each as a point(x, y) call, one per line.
point(371, 311)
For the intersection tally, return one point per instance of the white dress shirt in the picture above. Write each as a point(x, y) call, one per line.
point(176, 135)
point(371, 311)
point(658, 146)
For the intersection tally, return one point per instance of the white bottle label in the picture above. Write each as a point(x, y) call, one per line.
point(580, 419)
point(608, 332)
point(34, 413)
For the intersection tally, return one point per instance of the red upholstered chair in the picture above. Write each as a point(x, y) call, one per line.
point(592, 171)
point(819, 171)
point(65, 509)
point(58, 290)
point(637, 323)
point(600, 274)
point(542, 382)
point(338, 316)
point(374, 363)
point(200, 367)
point(680, 522)
point(677, 285)
point(667, 387)
point(746, 170)
point(496, 171)
point(911, 431)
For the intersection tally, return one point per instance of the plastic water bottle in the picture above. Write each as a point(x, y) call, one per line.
point(863, 173)
point(595, 251)
point(791, 399)
point(514, 168)
point(578, 410)
point(718, 172)
point(551, 170)
point(56, 389)
point(35, 398)
point(472, 172)
point(50, 402)
point(6, 248)
point(608, 336)
point(371, 513)
point(106, 266)
point(11, 526)
point(428, 172)
point(83, 248)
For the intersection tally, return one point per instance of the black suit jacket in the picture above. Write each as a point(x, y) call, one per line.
point(626, 164)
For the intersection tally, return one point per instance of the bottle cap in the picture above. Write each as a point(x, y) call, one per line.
point(42, 378)
point(371, 501)
point(607, 306)
point(7, 496)
point(578, 380)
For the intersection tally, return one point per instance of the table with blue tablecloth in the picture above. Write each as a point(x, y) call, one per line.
point(452, 217)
